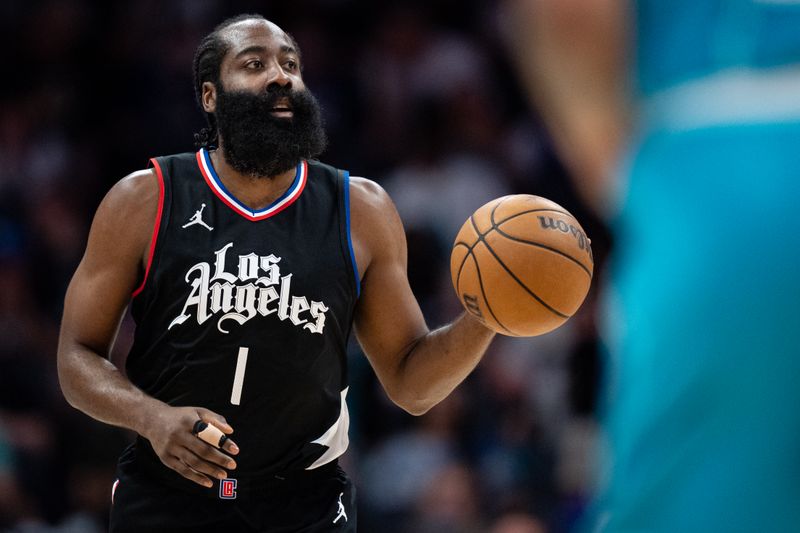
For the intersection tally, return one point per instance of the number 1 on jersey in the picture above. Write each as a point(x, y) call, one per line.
point(238, 376)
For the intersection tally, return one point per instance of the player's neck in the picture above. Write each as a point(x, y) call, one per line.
point(256, 192)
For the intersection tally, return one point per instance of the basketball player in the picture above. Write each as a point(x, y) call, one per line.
point(246, 264)
point(703, 329)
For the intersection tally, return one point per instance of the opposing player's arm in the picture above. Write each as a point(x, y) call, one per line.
point(417, 367)
point(572, 57)
point(96, 299)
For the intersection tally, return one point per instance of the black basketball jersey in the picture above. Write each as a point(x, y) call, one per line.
point(247, 313)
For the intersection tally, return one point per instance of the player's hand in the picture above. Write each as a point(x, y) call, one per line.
point(170, 434)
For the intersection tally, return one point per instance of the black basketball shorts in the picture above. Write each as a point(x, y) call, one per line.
point(322, 501)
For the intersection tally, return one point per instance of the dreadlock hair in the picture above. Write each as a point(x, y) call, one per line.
point(206, 64)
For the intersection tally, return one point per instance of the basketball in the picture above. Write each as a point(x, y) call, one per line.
point(522, 264)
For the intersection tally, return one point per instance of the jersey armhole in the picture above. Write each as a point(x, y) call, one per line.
point(156, 228)
point(346, 194)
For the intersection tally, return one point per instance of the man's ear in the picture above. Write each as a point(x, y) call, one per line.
point(209, 97)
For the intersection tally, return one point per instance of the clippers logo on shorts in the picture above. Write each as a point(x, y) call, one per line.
point(227, 489)
point(257, 288)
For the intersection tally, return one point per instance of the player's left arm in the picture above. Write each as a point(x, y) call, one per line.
point(417, 367)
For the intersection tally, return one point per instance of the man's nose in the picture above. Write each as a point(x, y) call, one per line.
point(278, 76)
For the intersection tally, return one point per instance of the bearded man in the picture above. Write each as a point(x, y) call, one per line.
point(246, 265)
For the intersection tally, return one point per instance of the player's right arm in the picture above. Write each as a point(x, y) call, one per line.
point(111, 268)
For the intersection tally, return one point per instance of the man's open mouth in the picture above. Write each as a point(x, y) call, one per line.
point(282, 109)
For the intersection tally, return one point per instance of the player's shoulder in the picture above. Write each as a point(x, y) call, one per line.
point(127, 213)
point(136, 190)
point(369, 193)
point(373, 215)
point(137, 182)
point(371, 203)
point(125, 218)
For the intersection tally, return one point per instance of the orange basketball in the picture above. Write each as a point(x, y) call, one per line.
point(522, 264)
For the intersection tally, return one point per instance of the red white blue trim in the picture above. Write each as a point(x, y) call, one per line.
point(285, 200)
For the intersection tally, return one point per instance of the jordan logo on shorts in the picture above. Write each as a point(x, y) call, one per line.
point(340, 513)
point(227, 489)
point(197, 218)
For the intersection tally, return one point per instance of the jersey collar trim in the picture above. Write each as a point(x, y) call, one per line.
point(285, 200)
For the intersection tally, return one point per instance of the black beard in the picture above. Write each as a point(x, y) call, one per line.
point(256, 143)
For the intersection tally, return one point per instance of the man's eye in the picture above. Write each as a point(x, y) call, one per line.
point(291, 64)
point(255, 64)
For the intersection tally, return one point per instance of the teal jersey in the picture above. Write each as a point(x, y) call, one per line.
point(682, 40)
point(702, 326)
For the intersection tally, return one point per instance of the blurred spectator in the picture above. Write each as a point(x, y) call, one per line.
point(517, 523)
point(405, 465)
point(450, 504)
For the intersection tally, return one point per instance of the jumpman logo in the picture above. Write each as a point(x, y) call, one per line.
point(340, 513)
point(197, 218)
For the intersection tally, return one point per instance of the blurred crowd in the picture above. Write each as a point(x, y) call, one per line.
point(419, 96)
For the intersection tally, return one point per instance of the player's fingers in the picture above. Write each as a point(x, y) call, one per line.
point(213, 418)
point(180, 467)
point(209, 433)
point(230, 447)
point(212, 455)
point(200, 465)
point(214, 436)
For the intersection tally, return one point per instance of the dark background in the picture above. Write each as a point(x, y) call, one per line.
point(419, 96)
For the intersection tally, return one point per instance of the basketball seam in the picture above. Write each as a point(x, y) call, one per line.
point(494, 210)
point(514, 276)
point(496, 227)
point(477, 231)
point(481, 237)
point(483, 293)
point(478, 272)
point(544, 246)
point(463, 261)
point(469, 251)
point(515, 215)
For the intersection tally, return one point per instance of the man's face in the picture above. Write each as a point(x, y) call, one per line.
point(260, 53)
point(268, 121)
